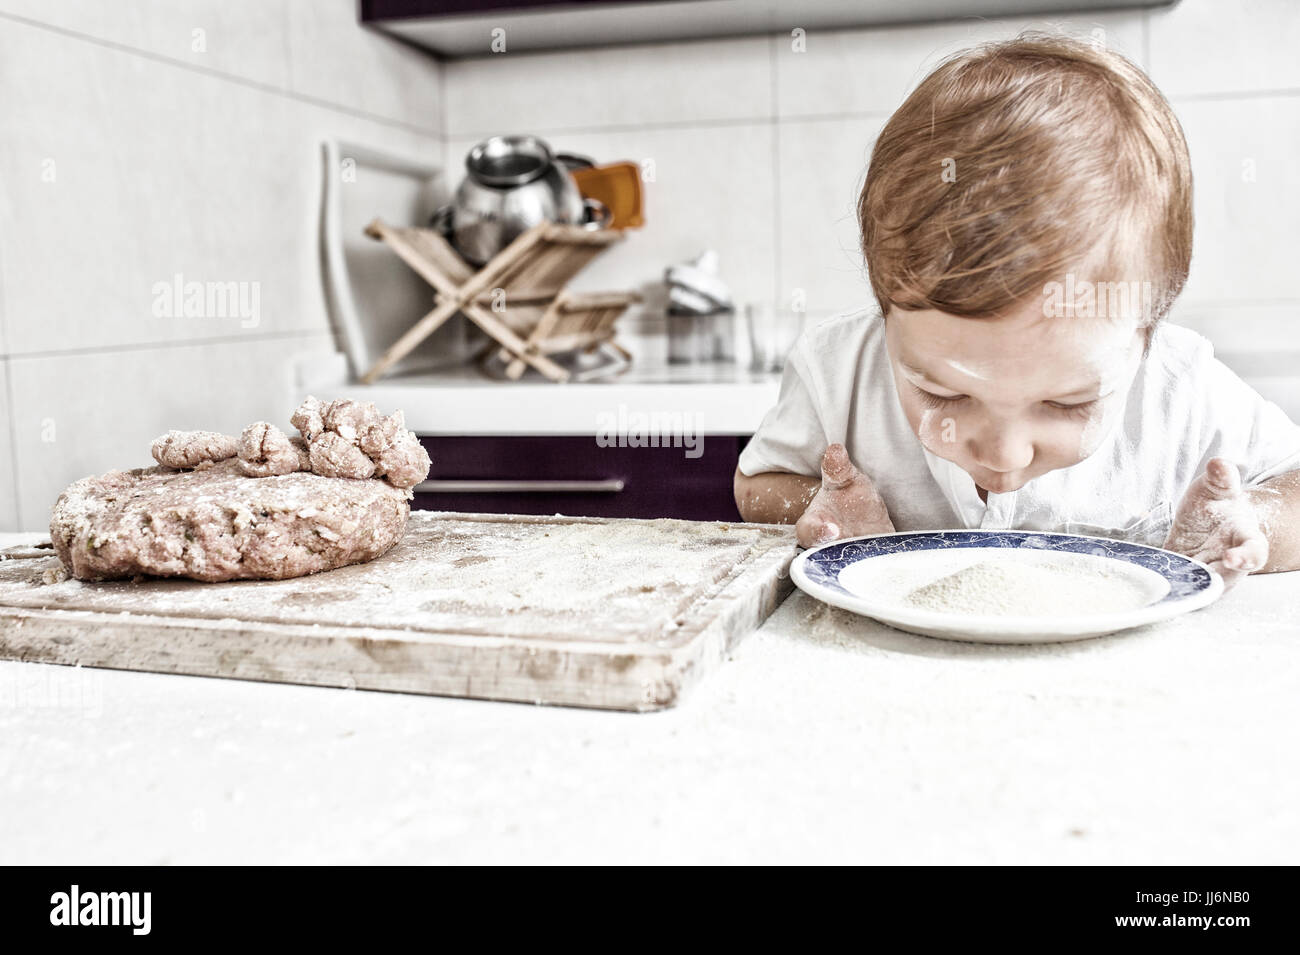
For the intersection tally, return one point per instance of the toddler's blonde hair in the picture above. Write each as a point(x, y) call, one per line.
point(1061, 157)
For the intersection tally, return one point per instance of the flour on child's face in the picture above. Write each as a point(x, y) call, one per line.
point(1012, 398)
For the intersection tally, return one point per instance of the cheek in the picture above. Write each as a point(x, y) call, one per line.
point(935, 429)
point(1097, 427)
point(914, 411)
point(1062, 442)
point(940, 430)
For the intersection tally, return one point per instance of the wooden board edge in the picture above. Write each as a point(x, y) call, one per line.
point(512, 673)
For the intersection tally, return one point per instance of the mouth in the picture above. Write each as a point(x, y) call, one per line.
point(999, 487)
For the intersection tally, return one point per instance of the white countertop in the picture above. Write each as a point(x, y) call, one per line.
point(709, 399)
point(827, 738)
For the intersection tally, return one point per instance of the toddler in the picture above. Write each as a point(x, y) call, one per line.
point(1027, 225)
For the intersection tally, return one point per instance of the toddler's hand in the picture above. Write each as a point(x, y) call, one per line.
point(1217, 524)
point(847, 505)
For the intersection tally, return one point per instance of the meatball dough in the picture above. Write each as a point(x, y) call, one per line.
point(218, 524)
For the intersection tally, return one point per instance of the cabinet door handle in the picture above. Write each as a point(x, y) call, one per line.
point(601, 486)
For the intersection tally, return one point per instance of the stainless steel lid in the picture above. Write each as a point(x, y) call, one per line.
point(505, 161)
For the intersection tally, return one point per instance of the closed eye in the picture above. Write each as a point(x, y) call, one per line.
point(1081, 410)
point(932, 400)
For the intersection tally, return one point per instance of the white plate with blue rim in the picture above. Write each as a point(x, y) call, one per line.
point(1005, 586)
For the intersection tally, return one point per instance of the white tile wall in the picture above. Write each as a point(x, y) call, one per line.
point(822, 164)
point(164, 171)
point(1271, 327)
point(333, 60)
point(670, 84)
point(1246, 167)
point(245, 40)
point(170, 161)
point(1234, 79)
point(872, 71)
point(6, 237)
point(1205, 48)
point(311, 48)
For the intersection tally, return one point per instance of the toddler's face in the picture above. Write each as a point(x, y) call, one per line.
point(1011, 398)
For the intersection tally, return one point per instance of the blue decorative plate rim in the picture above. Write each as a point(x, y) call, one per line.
point(1186, 577)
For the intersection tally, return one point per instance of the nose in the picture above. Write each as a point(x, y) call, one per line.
point(999, 447)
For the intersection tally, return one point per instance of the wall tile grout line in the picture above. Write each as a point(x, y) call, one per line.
point(442, 99)
point(222, 75)
point(1235, 302)
point(1260, 364)
point(773, 67)
point(754, 121)
point(1146, 42)
point(291, 335)
point(1288, 91)
point(288, 43)
point(444, 140)
point(5, 343)
point(666, 125)
point(15, 514)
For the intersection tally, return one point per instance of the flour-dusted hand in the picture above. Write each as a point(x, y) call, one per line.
point(847, 505)
point(1218, 525)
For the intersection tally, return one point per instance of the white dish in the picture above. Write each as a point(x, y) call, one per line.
point(873, 575)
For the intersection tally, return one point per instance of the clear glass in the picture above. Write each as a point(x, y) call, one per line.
point(772, 333)
point(724, 336)
point(686, 335)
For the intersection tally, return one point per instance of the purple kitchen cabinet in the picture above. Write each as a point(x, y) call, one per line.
point(573, 475)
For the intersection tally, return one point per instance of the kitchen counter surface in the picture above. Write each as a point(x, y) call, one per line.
point(706, 399)
point(827, 738)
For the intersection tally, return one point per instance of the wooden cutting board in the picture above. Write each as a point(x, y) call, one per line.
point(613, 613)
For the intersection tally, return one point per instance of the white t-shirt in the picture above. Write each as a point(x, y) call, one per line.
point(1184, 407)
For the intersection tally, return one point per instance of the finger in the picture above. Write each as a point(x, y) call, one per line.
point(1247, 555)
point(1230, 575)
point(1222, 479)
point(837, 469)
point(830, 531)
point(1214, 558)
point(814, 534)
point(813, 530)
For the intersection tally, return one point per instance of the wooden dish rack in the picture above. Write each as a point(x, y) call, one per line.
point(518, 298)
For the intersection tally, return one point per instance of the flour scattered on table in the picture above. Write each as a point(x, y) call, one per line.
point(491, 576)
point(1015, 588)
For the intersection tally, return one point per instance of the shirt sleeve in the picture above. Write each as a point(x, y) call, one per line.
point(791, 438)
point(1244, 427)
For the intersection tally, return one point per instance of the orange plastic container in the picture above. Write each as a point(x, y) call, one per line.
point(618, 186)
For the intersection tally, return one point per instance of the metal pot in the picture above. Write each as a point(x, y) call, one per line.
point(512, 184)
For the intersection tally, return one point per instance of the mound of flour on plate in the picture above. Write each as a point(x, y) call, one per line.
point(1018, 588)
point(263, 506)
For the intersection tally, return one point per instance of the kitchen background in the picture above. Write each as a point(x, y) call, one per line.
point(143, 139)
